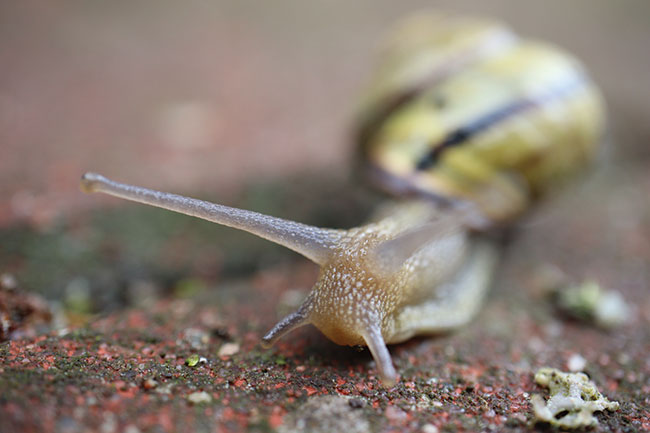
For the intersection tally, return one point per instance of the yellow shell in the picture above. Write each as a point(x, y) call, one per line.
point(464, 109)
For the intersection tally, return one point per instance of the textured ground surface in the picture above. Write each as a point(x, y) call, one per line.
point(156, 318)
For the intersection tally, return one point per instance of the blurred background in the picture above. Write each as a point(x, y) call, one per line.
point(216, 98)
point(200, 95)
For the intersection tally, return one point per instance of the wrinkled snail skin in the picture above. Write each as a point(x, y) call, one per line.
point(475, 122)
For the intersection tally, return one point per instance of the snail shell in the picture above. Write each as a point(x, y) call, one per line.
point(463, 109)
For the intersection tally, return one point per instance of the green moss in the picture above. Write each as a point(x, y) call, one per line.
point(192, 360)
point(590, 302)
point(188, 288)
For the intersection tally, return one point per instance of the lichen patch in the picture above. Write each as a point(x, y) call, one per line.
point(573, 399)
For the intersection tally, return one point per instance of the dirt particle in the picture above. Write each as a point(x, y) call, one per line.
point(356, 403)
point(150, 383)
point(395, 414)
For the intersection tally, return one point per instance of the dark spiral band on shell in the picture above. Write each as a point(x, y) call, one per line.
point(392, 102)
point(497, 116)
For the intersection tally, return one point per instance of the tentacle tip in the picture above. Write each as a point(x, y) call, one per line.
point(271, 337)
point(377, 346)
point(389, 381)
point(267, 342)
point(90, 182)
point(292, 321)
point(387, 374)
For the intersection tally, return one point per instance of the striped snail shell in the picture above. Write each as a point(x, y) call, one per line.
point(463, 109)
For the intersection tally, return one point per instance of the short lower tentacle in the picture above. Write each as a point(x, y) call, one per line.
point(289, 323)
point(377, 346)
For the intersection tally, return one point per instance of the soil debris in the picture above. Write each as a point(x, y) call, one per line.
point(22, 314)
point(325, 414)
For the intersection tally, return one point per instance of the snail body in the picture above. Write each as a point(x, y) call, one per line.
point(473, 124)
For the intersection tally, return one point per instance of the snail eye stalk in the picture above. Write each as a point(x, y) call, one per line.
point(312, 242)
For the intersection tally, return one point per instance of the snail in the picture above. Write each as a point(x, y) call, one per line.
point(470, 124)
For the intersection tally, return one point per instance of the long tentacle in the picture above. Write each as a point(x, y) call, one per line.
point(312, 242)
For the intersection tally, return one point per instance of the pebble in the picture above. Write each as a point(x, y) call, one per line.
point(199, 397)
point(228, 349)
point(150, 383)
point(576, 363)
point(394, 413)
point(430, 428)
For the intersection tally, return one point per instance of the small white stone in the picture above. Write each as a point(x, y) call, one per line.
point(394, 413)
point(612, 310)
point(228, 349)
point(429, 428)
point(576, 363)
point(199, 397)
